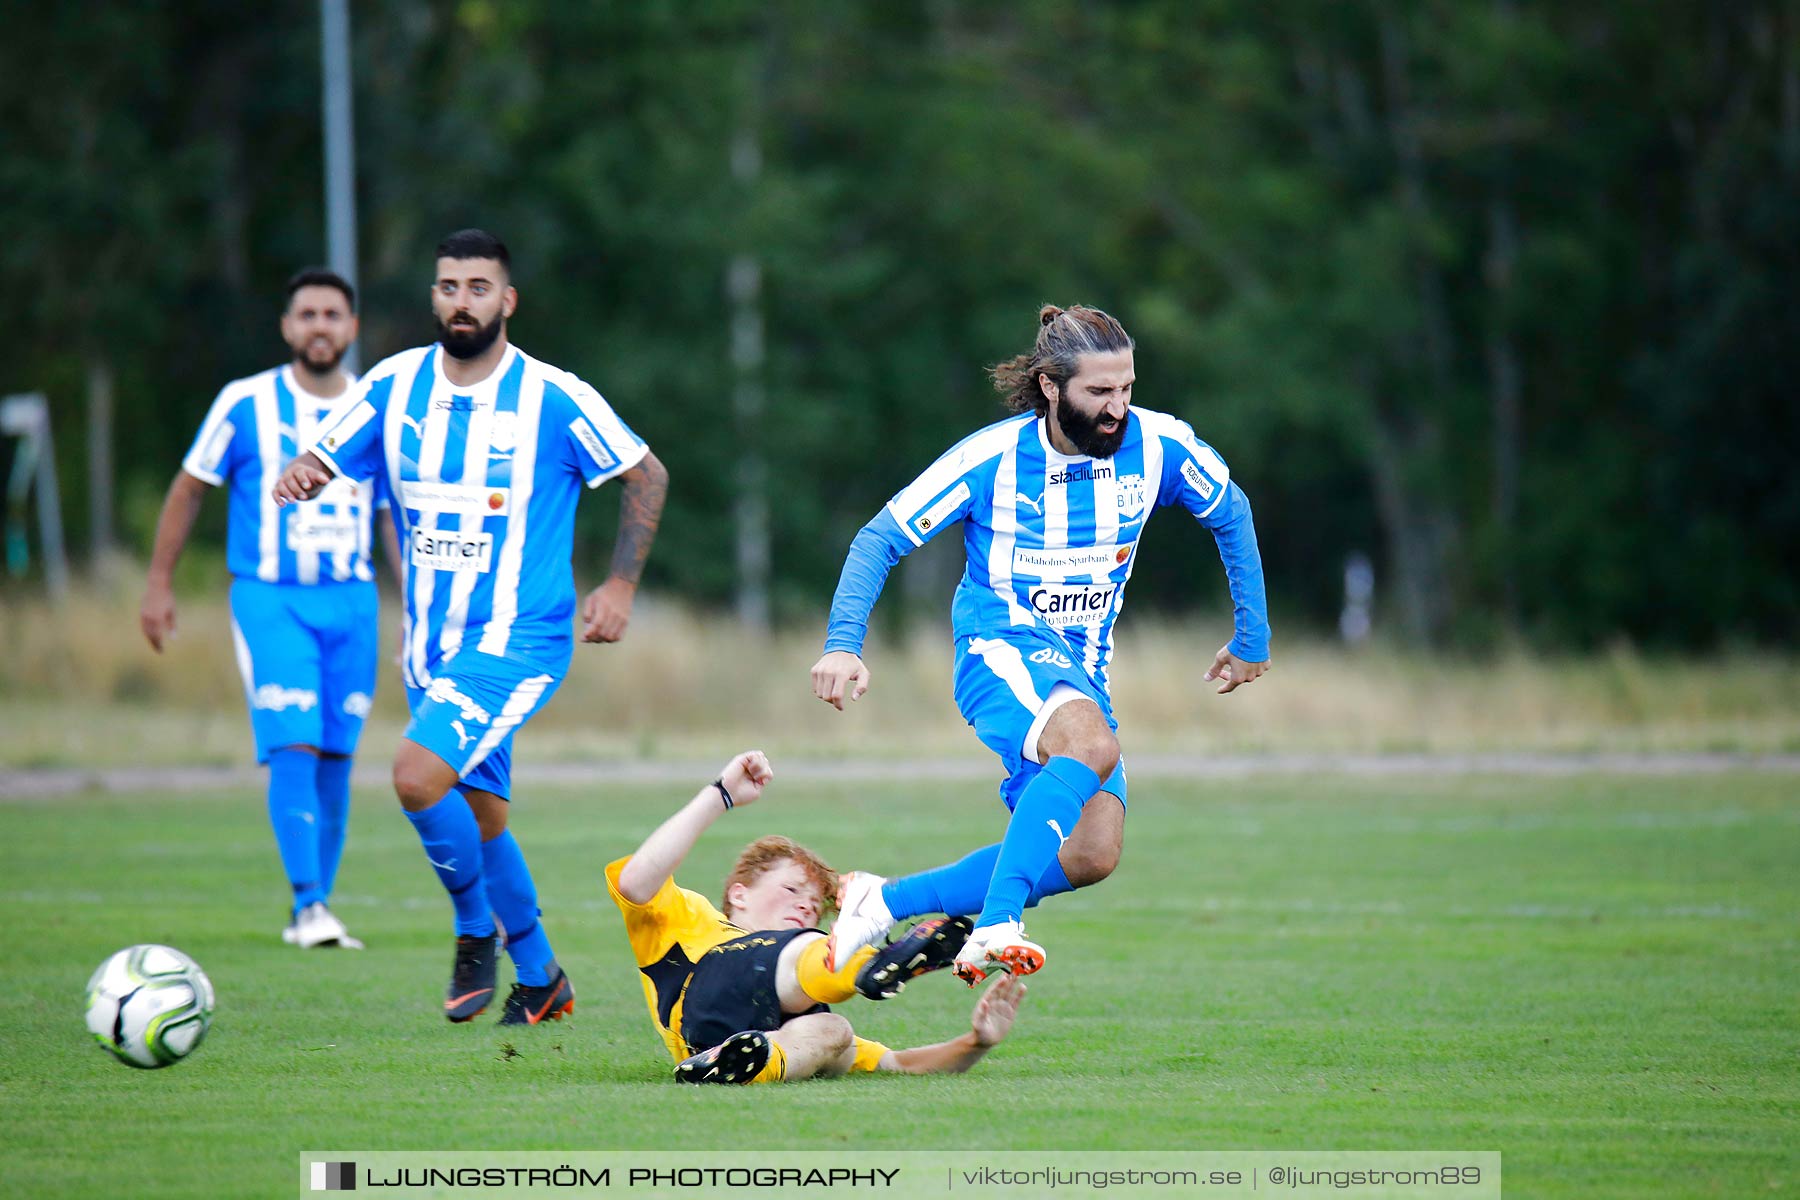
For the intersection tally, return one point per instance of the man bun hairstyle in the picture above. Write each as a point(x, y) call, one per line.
point(475, 243)
point(1064, 335)
point(320, 277)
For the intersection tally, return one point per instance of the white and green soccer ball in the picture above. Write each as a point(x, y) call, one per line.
point(150, 1005)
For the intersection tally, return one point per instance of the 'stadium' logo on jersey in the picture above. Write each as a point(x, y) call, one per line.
point(1062, 605)
point(444, 691)
point(1082, 472)
point(452, 550)
point(1050, 658)
point(1197, 478)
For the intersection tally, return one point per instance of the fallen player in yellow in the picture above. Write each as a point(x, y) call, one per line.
point(739, 993)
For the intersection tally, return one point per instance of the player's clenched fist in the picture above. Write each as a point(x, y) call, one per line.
point(304, 478)
point(607, 611)
point(745, 777)
point(839, 676)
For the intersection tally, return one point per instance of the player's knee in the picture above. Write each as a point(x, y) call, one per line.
point(416, 784)
point(1088, 865)
point(1084, 735)
point(837, 1039)
point(1099, 750)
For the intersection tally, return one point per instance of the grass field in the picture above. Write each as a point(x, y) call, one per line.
point(1598, 977)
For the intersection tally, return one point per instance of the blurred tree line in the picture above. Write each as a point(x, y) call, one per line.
point(1496, 290)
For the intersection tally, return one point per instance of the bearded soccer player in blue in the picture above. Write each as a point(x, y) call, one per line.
point(486, 451)
point(1052, 503)
point(302, 594)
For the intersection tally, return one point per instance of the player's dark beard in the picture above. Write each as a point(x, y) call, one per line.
point(468, 343)
point(1084, 431)
point(304, 358)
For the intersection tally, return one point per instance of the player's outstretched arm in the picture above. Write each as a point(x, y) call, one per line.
point(607, 609)
point(156, 613)
point(743, 779)
point(304, 478)
point(1234, 670)
point(989, 1024)
point(840, 677)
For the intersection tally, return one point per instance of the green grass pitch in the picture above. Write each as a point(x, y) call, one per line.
point(1597, 976)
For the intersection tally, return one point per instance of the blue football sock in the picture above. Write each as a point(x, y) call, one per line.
point(333, 778)
point(515, 902)
point(960, 888)
point(294, 814)
point(1053, 882)
point(452, 843)
point(1042, 819)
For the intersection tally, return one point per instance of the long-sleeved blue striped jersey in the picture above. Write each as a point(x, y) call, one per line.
point(1051, 538)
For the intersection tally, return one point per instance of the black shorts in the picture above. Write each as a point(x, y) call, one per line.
point(733, 989)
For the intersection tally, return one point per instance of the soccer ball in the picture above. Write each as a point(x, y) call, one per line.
point(149, 1005)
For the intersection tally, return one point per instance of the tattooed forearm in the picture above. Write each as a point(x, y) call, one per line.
point(640, 510)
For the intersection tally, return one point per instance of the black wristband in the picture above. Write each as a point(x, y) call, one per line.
point(723, 794)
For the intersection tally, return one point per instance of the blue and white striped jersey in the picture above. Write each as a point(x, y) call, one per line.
point(256, 427)
point(485, 481)
point(1051, 538)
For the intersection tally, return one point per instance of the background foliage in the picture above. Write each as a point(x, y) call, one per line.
point(1494, 291)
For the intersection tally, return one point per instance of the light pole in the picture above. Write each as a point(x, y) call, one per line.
point(340, 148)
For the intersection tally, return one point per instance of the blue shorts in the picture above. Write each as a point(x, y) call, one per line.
point(468, 713)
point(307, 654)
point(1008, 684)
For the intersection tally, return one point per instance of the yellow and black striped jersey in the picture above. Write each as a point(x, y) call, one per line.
point(669, 933)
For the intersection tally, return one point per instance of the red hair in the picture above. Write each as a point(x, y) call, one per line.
point(771, 851)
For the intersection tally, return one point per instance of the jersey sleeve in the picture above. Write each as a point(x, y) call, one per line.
point(873, 552)
point(1195, 477)
point(599, 445)
point(661, 921)
point(349, 440)
point(211, 458)
point(943, 495)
